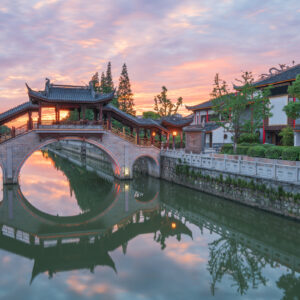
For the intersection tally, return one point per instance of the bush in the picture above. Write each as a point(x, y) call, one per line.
point(287, 136)
point(250, 138)
point(242, 149)
point(256, 151)
point(274, 152)
point(291, 153)
point(227, 149)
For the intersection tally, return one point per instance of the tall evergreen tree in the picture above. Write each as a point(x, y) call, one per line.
point(95, 80)
point(125, 95)
point(102, 88)
point(109, 80)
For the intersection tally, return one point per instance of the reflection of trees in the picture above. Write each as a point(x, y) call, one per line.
point(90, 190)
point(291, 286)
point(244, 266)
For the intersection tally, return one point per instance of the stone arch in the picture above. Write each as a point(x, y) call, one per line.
point(114, 160)
point(152, 164)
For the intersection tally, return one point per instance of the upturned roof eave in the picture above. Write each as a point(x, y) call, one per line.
point(40, 97)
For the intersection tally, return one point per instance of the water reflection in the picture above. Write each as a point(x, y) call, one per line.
point(144, 231)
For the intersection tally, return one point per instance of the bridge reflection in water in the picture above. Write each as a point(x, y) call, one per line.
point(113, 214)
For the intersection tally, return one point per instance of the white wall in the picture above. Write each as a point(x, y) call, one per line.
point(279, 117)
point(218, 136)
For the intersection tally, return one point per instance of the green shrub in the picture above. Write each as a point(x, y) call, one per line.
point(227, 149)
point(250, 138)
point(291, 153)
point(242, 149)
point(256, 151)
point(274, 152)
point(287, 136)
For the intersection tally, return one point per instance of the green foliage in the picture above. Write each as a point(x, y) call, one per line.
point(287, 136)
point(4, 129)
point(150, 115)
point(256, 151)
point(227, 149)
point(291, 153)
point(274, 152)
point(74, 115)
point(125, 95)
point(292, 109)
point(250, 138)
point(164, 106)
point(294, 89)
point(231, 107)
point(242, 149)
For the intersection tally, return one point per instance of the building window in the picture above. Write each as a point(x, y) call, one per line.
point(225, 136)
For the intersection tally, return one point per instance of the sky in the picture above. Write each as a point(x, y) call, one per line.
point(179, 44)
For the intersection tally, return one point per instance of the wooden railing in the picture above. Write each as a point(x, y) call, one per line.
point(131, 138)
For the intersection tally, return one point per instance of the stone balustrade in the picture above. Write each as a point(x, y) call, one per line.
point(279, 170)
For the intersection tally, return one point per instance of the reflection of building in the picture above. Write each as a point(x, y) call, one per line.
point(270, 236)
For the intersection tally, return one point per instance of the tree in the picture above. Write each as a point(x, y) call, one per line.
point(4, 129)
point(292, 109)
point(164, 106)
point(150, 115)
point(125, 95)
point(287, 136)
point(95, 80)
point(231, 108)
point(106, 84)
point(108, 79)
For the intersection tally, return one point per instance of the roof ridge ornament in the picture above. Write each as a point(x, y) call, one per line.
point(47, 86)
point(275, 71)
point(91, 87)
point(28, 87)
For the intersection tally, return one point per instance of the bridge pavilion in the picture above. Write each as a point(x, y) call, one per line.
point(80, 98)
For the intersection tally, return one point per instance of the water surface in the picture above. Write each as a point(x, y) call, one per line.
point(68, 233)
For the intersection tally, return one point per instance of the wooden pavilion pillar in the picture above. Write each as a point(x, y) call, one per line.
point(30, 125)
point(181, 139)
point(40, 114)
point(137, 135)
point(168, 139)
point(95, 114)
point(173, 136)
point(57, 114)
point(109, 120)
point(83, 112)
point(100, 113)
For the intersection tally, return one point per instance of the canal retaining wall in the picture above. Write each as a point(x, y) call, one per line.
point(204, 173)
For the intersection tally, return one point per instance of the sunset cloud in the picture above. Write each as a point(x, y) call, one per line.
point(179, 45)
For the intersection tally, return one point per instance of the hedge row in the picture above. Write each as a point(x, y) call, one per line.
point(266, 150)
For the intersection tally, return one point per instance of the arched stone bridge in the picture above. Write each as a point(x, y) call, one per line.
point(123, 153)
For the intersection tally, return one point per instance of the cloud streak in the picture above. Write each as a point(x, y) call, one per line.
point(166, 42)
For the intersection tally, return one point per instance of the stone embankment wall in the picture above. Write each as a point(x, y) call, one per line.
point(271, 195)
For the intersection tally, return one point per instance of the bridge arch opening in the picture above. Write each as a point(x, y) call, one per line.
point(146, 165)
point(116, 169)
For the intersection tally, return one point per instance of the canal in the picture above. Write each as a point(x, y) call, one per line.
point(68, 233)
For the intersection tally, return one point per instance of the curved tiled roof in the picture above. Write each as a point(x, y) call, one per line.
point(176, 121)
point(133, 119)
point(17, 110)
point(69, 93)
point(286, 75)
point(203, 105)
